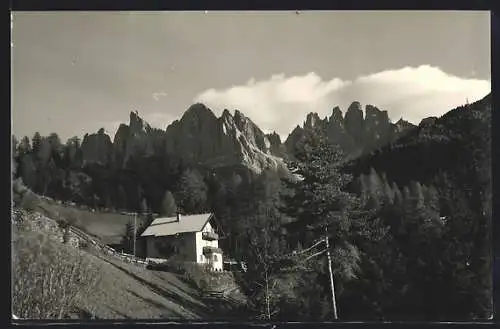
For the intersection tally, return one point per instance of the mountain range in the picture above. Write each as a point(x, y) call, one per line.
point(200, 137)
point(211, 153)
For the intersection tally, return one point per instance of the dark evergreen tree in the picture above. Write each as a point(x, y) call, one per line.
point(319, 206)
point(169, 207)
point(191, 192)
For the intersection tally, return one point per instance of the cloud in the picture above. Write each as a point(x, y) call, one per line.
point(157, 96)
point(280, 103)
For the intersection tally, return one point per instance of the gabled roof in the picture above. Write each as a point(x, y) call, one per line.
point(164, 226)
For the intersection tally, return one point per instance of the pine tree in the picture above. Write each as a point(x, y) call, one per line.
point(168, 206)
point(375, 182)
point(320, 206)
point(122, 198)
point(24, 147)
point(192, 192)
point(36, 142)
point(144, 208)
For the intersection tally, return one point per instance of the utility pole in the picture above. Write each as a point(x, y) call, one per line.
point(135, 230)
point(332, 284)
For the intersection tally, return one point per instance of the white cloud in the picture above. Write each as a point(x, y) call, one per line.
point(157, 96)
point(280, 103)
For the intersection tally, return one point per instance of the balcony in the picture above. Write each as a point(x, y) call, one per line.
point(210, 236)
point(211, 250)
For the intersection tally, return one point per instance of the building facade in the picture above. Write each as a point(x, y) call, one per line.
point(183, 238)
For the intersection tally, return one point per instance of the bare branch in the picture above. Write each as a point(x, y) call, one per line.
point(316, 254)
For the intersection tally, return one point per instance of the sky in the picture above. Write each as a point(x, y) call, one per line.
point(75, 72)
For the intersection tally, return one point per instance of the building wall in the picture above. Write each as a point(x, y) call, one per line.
point(182, 246)
point(216, 259)
point(187, 246)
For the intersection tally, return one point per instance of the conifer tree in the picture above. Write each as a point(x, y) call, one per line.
point(168, 206)
point(320, 206)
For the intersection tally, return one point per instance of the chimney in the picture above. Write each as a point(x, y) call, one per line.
point(178, 216)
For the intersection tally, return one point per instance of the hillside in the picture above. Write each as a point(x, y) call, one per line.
point(458, 143)
point(108, 227)
point(99, 285)
point(78, 280)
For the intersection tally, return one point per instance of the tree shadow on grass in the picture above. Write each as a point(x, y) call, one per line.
point(200, 310)
point(177, 315)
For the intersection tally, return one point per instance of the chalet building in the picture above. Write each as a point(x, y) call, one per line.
point(190, 238)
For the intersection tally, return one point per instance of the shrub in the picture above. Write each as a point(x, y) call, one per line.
point(49, 279)
point(83, 244)
point(29, 201)
point(192, 273)
point(196, 274)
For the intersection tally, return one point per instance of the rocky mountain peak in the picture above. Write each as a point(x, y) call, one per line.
point(97, 147)
point(428, 121)
point(372, 112)
point(375, 117)
point(136, 123)
point(337, 116)
point(311, 120)
point(229, 140)
point(226, 114)
point(403, 125)
point(354, 109)
point(274, 136)
point(354, 122)
point(197, 113)
point(276, 147)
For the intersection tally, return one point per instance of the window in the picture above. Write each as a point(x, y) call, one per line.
point(201, 258)
point(215, 258)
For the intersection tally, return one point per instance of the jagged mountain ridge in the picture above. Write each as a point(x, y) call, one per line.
point(228, 140)
point(457, 139)
point(200, 137)
point(354, 132)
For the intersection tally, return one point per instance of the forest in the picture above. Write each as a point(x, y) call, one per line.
point(409, 225)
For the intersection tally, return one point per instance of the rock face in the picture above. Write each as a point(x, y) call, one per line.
point(354, 123)
point(136, 139)
point(354, 133)
point(97, 148)
point(195, 136)
point(200, 137)
point(277, 147)
point(402, 125)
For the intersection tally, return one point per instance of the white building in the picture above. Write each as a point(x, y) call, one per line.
point(191, 238)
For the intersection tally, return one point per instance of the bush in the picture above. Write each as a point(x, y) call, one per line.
point(49, 279)
point(197, 275)
point(29, 201)
point(83, 245)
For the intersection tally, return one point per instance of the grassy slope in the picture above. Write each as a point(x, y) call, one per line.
point(119, 290)
point(103, 287)
point(129, 291)
point(108, 227)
